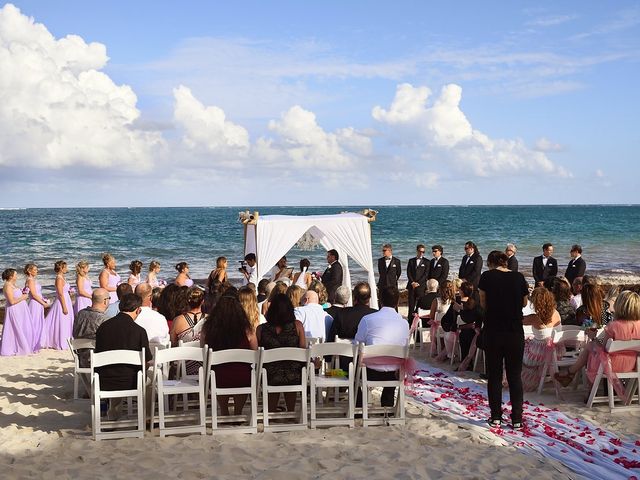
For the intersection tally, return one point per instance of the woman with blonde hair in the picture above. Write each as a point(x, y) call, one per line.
point(295, 293)
point(109, 278)
point(83, 287)
point(37, 303)
point(439, 307)
point(250, 306)
point(17, 333)
point(321, 290)
point(218, 274)
point(536, 348)
point(152, 276)
point(279, 287)
point(58, 324)
point(625, 326)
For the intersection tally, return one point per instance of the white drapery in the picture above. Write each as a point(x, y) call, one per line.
point(348, 233)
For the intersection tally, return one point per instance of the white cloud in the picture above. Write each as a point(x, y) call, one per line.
point(207, 129)
point(58, 109)
point(543, 144)
point(551, 20)
point(446, 134)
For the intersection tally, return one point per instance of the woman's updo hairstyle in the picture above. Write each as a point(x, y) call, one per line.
point(181, 267)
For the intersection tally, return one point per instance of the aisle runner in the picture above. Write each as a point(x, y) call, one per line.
point(579, 445)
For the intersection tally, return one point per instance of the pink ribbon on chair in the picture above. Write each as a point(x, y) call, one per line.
point(409, 364)
point(414, 324)
point(599, 355)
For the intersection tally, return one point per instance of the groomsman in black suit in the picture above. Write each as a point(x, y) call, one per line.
point(417, 271)
point(332, 276)
point(471, 265)
point(545, 265)
point(439, 266)
point(577, 265)
point(512, 261)
point(389, 268)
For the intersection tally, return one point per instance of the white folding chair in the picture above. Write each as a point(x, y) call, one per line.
point(182, 368)
point(399, 354)
point(313, 340)
point(117, 357)
point(163, 387)
point(321, 380)
point(278, 355)
point(252, 359)
point(80, 374)
point(632, 378)
point(551, 365)
point(420, 331)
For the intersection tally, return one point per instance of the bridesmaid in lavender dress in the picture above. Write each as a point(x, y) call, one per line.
point(108, 278)
point(152, 277)
point(84, 289)
point(58, 324)
point(37, 303)
point(183, 279)
point(134, 276)
point(17, 334)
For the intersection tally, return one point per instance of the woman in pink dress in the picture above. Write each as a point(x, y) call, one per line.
point(37, 303)
point(183, 279)
point(134, 276)
point(83, 287)
point(109, 278)
point(58, 324)
point(17, 333)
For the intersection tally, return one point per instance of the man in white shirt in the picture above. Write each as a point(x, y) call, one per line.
point(249, 270)
point(153, 322)
point(384, 327)
point(314, 319)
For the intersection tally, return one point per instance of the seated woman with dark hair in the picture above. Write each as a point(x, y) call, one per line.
point(594, 308)
point(227, 327)
point(469, 317)
point(562, 293)
point(282, 330)
point(182, 326)
point(278, 288)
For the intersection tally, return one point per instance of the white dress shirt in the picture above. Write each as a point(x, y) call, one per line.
point(384, 327)
point(314, 319)
point(253, 276)
point(154, 323)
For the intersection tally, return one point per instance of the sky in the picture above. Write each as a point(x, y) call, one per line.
point(154, 103)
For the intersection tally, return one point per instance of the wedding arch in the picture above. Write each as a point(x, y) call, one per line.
point(272, 236)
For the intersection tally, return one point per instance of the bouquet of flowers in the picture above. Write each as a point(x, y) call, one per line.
point(72, 290)
point(589, 324)
point(316, 276)
point(25, 290)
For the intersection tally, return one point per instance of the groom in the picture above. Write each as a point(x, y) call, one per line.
point(332, 276)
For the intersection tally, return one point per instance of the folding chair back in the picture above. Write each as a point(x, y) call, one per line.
point(560, 339)
point(80, 374)
point(117, 357)
point(253, 359)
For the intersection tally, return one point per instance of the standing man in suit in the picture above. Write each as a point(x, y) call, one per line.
point(471, 265)
point(545, 265)
point(417, 271)
point(512, 261)
point(332, 276)
point(389, 268)
point(439, 267)
point(577, 265)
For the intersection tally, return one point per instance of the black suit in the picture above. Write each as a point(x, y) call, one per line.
point(345, 323)
point(512, 263)
point(471, 268)
point(541, 272)
point(438, 270)
point(389, 276)
point(121, 333)
point(332, 279)
point(576, 268)
point(416, 272)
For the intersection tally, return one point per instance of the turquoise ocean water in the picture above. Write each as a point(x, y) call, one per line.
point(609, 235)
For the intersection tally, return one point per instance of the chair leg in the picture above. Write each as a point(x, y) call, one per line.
point(611, 395)
point(313, 402)
point(545, 369)
point(365, 398)
point(203, 409)
point(265, 400)
point(594, 389)
point(75, 385)
point(214, 404)
point(161, 399)
point(303, 414)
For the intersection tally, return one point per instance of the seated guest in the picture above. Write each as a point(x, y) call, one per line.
point(439, 307)
point(277, 289)
point(121, 333)
point(282, 330)
point(227, 327)
point(562, 294)
point(625, 326)
point(135, 268)
point(469, 317)
point(594, 307)
point(250, 306)
point(89, 319)
point(576, 290)
point(295, 294)
point(156, 298)
point(262, 290)
point(341, 300)
point(384, 327)
point(173, 302)
point(323, 294)
point(303, 277)
point(153, 322)
point(425, 301)
point(345, 323)
point(182, 325)
point(183, 279)
point(315, 320)
point(114, 308)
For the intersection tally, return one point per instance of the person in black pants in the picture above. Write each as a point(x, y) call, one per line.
point(503, 294)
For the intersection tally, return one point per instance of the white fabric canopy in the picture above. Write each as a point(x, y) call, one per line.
point(348, 233)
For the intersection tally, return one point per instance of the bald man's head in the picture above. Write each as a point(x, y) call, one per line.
point(311, 297)
point(100, 299)
point(145, 292)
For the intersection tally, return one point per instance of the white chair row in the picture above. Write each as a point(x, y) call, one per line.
point(205, 387)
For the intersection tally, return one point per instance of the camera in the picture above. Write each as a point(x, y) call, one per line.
point(243, 266)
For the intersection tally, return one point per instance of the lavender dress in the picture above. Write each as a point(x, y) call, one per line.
point(37, 317)
point(58, 326)
point(113, 282)
point(17, 334)
point(82, 302)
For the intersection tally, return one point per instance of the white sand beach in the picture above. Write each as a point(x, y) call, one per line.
point(46, 434)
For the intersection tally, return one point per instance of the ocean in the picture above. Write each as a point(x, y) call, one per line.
point(609, 235)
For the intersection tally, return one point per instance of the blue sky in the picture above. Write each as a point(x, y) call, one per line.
point(253, 103)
